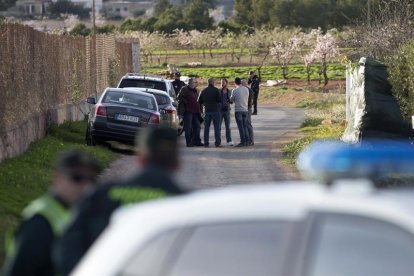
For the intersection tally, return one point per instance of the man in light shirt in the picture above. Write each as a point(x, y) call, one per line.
point(240, 97)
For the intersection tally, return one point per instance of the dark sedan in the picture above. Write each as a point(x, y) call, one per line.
point(119, 114)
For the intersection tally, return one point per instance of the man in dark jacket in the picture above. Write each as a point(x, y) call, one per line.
point(157, 153)
point(189, 107)
point(254, 82)
point(30, 251)
point(210, 97)
point(177, 83)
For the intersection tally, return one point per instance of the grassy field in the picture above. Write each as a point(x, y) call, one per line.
point(325, 119)
point(28, 176)
point(335, 72)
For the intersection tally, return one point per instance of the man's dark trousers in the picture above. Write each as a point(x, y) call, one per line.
point(192, 128)
point(215, 117)
point(255, 97)
point(241, 120)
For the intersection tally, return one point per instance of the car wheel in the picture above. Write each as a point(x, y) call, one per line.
point(90, 140)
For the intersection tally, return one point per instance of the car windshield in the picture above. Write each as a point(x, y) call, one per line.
point(132, 99)
point(159, 85)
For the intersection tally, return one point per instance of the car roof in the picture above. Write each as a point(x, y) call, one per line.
point(261, 201)
point(133, 225)
point(148, 90)
point(144, 77)
point(128, 90)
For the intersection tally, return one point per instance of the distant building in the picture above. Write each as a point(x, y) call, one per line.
point(124, 8)
point(29, 8)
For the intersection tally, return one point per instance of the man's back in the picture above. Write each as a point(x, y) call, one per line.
point(210, 97)
point(240, 97)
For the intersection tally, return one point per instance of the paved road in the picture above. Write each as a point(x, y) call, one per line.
point(214, 167)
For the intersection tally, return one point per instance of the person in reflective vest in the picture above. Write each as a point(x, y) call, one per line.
point(29, 249)
point(157, 155)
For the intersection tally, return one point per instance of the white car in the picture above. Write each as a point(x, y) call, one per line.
point(285, 229)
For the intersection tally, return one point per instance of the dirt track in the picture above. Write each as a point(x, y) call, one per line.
point(214, 167)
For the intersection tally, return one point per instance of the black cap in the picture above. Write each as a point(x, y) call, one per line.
point(177, 74)
point(71, 160)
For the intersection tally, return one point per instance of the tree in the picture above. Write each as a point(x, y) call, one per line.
point(326, 49)
point(242, 12)
point(284, 49)
point(67, 7)
point(80, 29)
point(170, 20)
point(5, 4)
point(130, 25)
point(196, 16)
point(161, 7)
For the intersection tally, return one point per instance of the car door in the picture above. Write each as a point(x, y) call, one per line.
point(343, 244)
point(259, 248)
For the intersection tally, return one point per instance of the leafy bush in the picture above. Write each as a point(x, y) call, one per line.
point(401, 77)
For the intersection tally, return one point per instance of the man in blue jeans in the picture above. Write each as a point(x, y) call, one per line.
point(240, 96)
point(225, 110)
point(210, 97)
point(190, 108)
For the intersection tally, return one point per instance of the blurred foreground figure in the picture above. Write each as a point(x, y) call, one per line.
point(30, 251)
point(157, 154)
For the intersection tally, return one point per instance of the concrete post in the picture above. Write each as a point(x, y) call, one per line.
point(135, 57)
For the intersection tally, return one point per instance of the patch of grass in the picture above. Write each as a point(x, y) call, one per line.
point(291, 150)
point(28, 176)
point(295, 71)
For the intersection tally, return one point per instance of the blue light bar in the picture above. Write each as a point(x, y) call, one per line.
point(330, 160)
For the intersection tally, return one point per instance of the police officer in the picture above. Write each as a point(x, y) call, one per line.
point(30, 251)
point(254, 82)
point(177, 83)
point(157, 154)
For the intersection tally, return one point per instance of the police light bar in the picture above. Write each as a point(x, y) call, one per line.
point(327, 160)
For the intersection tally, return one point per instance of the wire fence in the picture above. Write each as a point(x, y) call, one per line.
point(39, 71)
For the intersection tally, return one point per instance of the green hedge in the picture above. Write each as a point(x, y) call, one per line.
point(401, 77)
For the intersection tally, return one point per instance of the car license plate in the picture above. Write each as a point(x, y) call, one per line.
point(127, 118)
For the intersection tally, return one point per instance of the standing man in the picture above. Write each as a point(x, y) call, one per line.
point(254, 82)
point(177, 83)
point(157, 154)
point(249, 116)
point(188, 103)
point(210, 97)
point(225, 110)
point(240, 96)
point(44, 220)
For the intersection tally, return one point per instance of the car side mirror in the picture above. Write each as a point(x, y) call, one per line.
point(175, 104)
point(91, 100)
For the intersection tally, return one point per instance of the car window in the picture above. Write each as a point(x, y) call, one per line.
point(348, 245)
point(131, 99)
point(254, 248)
point(162, 99)
point(149, 260)
point(160, 85)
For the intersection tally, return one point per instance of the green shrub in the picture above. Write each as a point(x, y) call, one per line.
point(401, 77)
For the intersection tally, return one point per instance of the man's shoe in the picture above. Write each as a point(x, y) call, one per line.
point(251, 144)
point(199, 145)
point(254, 113)
point(206, 145)
point(219, 146)
point(190, 146)
point(230, 144)
point(240, 145)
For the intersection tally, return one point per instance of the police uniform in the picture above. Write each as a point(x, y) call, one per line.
point(93, 213)
point(29, 252)
point(254, 83)
point(178, 84)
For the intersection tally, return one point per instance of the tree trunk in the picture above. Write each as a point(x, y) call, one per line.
point(211, 52)
point(232, 55)
point(251, 59)
point(324, 71)
point(204, 53)
point(308, 69)
point(284, 73)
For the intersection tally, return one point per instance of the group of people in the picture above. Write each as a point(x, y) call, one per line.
point(215, 104)
point(58, 228)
